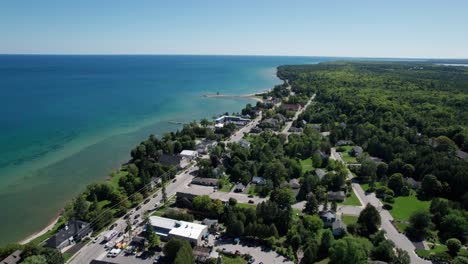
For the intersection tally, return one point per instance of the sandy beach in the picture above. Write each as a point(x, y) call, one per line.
point(41, 232)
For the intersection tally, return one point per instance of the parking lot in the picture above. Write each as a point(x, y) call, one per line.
point(223, 196)
point(259, 253)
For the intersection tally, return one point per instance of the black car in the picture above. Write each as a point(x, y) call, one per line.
point(138, 207)
point(147, 201)
point(251, 201)
point(136, 216)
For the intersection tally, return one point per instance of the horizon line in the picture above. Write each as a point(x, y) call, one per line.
point(233, 55)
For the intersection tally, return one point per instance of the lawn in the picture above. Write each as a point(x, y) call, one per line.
point(365, 186)
point(307, 165)
point(252, 190)
point(115, 177)
point(349, 219)
point(351, 200)
point(161, 210)
point(403, 207)
point(227, 185)
point(232, 260)
point(246, 205)
point(423, 253)
point(345, 154)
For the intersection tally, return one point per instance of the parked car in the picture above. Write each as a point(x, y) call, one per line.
point(147, 201)
point(174, 180)
point(138, 207)
point(251, 201)
point(251, 196)
point(155, 195)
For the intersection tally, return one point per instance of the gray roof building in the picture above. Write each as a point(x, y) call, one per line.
point(73, 231)
point(13, 258)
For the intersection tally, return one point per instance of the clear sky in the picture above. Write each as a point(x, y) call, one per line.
point(353, 28)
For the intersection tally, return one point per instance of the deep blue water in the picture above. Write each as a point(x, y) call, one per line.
point(69, 120)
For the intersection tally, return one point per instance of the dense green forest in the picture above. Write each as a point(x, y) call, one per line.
point(404, 113)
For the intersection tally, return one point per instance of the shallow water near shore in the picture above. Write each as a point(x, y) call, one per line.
point(67, 121)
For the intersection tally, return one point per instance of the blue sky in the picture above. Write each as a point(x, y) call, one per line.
point(354, 28)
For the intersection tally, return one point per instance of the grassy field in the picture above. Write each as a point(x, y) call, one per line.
point(227, 185)
point(365, 186)
point(115, 177)
point(232, 260)
point(251, 190)
point(246, 205)
point(345, 154)
point(423, 253)
point(349, 219)
point(403, 207)
point(351, 200)
point(307, 165)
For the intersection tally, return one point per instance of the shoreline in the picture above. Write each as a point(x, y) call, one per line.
point(42, 231)
point(53, 221)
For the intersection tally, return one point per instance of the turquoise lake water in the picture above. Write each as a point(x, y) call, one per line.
point(67, 121)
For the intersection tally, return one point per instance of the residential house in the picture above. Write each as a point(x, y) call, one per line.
point(328, 217)
point(205, 181)
point(320, 173)
point(291, 107)
point(189, 154)
point(413, 183)
point(356, 151)
point(294, 184)
point(244, 143)
point(258, 180)
point(462, 155)
point(256, 130)
point(338, 196)
point(239, 187)
point(73, 232)
point(344, 142)
point(212, 224)
point(317, 127)
point(177, 161)
point(13, 258)
point(295, 129)
point(338, 227)
point(202, 254)
point(205, 146)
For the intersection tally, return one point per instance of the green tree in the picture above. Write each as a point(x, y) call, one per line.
point(170, 248)
point(52, 255)
point(369, 220)
point(310, 251)
point(401, 257)
point(151, 237)
point(236, 228)
point(326, 242)
point(202, 203)
point(36, 259)
point(312, 223)
point(384, 251)
point(453, 225)
point(350, 250)
point(431, 186)
point(454, 245)
point(311, 206)
point(419, 225)
point(396, 183)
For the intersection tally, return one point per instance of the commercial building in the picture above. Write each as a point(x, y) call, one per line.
point(168, 228)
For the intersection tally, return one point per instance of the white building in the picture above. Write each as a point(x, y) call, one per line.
point(189, 154)
point(168, 228)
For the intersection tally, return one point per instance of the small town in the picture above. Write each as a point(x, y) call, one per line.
point(250, 187)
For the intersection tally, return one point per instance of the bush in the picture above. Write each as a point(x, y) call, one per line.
point(453, 245)
point(441, 257)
